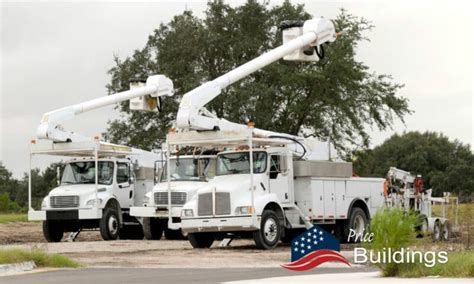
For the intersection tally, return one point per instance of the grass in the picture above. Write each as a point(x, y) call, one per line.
point(40, 258)
point(12, 218)
point(460, 264)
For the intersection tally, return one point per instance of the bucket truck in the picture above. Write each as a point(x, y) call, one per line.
point(267, 184)
point(188, 173)
point(100, 181)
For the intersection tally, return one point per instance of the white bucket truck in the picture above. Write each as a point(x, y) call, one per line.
point(279, 194)
point(103, 180)
point(98, 185)
point(188, 173)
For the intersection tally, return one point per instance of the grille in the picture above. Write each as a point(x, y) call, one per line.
point(222, 204)
point(177, 198)
point(64, 201)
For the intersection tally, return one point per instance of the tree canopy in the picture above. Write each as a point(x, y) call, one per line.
point(445, 165)
point(337, 97)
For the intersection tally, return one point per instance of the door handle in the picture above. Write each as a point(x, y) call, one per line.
point(131, 194)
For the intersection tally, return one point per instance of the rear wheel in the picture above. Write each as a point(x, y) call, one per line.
point(152, 228)
point(445, 231)
point(109, 225)
point(358, 221)
point(131, 232)
point(174, 234)
point(53, 231)
point(201, 240)
point(270, 231)
point(437, 231)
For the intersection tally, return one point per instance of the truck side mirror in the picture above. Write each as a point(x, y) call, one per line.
point(58, 175)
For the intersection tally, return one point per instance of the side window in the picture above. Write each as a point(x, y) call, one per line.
point(123, 172)
point(275, 164)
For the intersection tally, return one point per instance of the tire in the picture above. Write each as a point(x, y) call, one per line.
point(422, 228)
point(131, 232)
point(109, 225)
point(53, 231)
point(174, 234)
point(270, 231)
point(358, 221)
point(445, 231)
point(201, 240)
point(152, 228)
point(437, 231)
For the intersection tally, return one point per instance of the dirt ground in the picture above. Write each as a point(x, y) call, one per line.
point(91, 251)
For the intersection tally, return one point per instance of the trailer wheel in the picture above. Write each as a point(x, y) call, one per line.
point(152, 228)
point(201, 240)
point(53, 231)
point(109, 225)
point(270, 231)
point(437, 231)
point(357, 222)
point(445, 231)
point(422, 228)
point(131, 232)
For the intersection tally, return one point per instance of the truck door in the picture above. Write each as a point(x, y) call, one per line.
point(125, 188)
point(279, 178)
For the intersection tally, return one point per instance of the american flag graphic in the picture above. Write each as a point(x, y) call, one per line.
point(312, 248)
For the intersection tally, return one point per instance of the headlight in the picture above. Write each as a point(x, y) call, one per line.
point(44, 204)
point(92, 202)
point(146, 200)
point(244, 210)
point(187, 213)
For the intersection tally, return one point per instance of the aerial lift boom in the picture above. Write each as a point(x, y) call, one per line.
point(51, 128)
point(297, 37)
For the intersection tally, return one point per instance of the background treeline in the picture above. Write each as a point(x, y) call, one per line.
point(445, 165)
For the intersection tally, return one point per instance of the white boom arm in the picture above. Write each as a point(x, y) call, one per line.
point(50, 127)
point(193, 115)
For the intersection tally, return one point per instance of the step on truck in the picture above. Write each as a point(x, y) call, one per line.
point(98, 185)
point(188, 173)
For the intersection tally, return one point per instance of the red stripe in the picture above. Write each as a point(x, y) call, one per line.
point(315, 259)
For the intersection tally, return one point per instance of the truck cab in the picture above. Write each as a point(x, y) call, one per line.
point(240, 197)
point(188, 174)
point(95, 191)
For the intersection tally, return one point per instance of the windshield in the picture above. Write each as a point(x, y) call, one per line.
point(189, 169)
point(239, 163)
point(84, 172)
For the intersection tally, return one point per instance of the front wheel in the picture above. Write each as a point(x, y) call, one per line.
point(270, 231)
point(53, 231)
point(109, 225)
point(152, 228)
point(201, 240)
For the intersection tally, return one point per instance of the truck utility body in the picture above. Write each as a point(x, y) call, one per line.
point(275, 195)
point(87, 198)
point(188, 173)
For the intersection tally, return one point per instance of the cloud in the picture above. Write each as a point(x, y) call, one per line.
point(57, 54)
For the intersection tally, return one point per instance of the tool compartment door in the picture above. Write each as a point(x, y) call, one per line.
point(317, 192)
point(329, 199)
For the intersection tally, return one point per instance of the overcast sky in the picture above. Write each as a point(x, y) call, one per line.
point(57, 54)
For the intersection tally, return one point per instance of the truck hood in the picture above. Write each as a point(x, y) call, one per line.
point(75, 189)
point(181, 186)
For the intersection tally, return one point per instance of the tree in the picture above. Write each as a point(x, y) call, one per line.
point(445, 165)
point(337, 97)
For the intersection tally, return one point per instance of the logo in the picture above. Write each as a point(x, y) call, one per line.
point(312, 248)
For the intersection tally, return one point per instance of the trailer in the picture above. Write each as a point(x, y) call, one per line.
point(405, 190)
point(99, 183)
point(188, 173)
